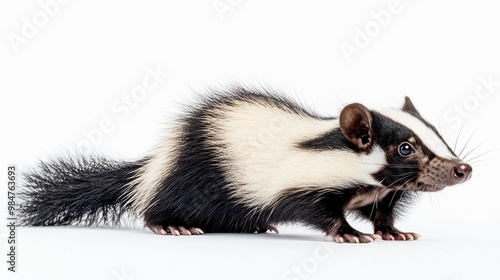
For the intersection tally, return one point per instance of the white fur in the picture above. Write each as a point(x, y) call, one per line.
point(258, 148)
point(149, 177)
point(429, 137)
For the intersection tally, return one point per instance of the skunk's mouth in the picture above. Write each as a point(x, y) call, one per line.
point(424, 187)
point(421, 187)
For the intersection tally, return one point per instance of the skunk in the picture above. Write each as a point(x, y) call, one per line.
point(244, 161)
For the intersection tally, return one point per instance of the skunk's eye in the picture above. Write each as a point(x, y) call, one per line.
point(405, 149)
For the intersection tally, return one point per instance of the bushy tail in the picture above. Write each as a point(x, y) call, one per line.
point(76, 192)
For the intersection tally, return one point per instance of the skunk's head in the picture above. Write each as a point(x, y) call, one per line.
point(417, 156)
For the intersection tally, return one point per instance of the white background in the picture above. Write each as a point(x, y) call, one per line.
point(70, 71)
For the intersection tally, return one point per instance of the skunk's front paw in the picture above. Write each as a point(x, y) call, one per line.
point(395, 234)
point(354, 237)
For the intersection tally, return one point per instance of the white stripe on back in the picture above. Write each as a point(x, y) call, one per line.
point(257, 145)
point(150, 176)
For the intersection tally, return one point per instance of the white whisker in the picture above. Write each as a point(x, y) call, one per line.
point(467, 143)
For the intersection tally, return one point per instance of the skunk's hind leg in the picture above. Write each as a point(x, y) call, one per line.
point(175, 230)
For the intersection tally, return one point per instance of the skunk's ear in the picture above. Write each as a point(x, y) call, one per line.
point(356, 124)
point(409, 107)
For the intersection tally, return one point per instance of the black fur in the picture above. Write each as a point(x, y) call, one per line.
point(76, 191)
point(390, 134)
point(329, 141)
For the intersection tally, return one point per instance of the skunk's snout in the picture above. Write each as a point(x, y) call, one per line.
point(461, 172)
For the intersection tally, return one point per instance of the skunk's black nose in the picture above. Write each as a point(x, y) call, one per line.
point(461, 173)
